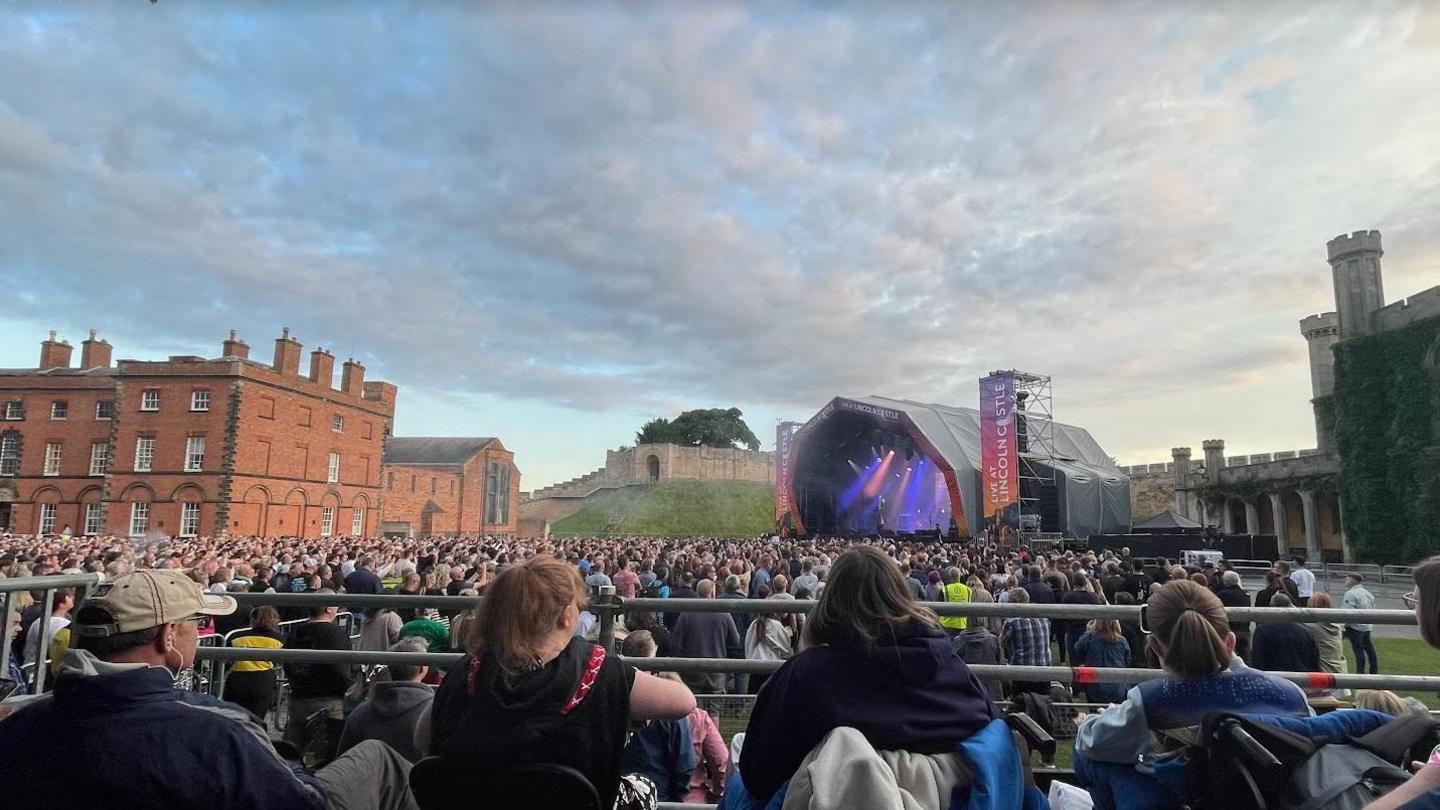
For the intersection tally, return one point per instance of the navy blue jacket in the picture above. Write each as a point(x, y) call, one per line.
point(128, 739)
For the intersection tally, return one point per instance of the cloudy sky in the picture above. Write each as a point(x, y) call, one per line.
point(550, 222)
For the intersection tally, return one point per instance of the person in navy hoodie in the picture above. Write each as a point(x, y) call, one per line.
point(1190, 634)
point(874, 660)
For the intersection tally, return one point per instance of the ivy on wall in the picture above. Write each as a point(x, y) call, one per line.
point(1386, 420)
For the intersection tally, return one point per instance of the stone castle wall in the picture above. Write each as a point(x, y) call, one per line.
point(1418, 307)
point(1151, 494)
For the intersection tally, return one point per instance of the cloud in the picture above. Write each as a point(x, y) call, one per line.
point(617, 206)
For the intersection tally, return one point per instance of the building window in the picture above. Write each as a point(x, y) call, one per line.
point(47, 518)
point(99, 457)
point(189, 519)
point(94, 519)
point(150, 399)
point(52, 458)
point(337, 423)
point(59, 410)
point(357, 522)
point(10, 453)
point(139, 519)
point(332, 472)
point(15, 410)
point(195, 454)
point(144, 453)
point(105, 409)
point(327, 521)
point(497, 493)
point(267, 407)
point(200, 400)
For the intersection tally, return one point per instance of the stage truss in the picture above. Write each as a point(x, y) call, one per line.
point(1034, 409)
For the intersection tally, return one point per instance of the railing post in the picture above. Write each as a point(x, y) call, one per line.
point(43, 651)
point(608, 604)
point(6, 639)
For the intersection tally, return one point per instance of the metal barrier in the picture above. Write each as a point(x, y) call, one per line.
point(47, 584)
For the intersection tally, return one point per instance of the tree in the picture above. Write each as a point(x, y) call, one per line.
point(706, 427)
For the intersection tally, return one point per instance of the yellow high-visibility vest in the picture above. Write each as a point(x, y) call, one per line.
point(955, 592)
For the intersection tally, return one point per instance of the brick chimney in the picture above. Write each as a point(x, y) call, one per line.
point(94, 353)
point(234, 347)
point(54, 353)
point(287, 354)
point(352, 378)
point(322, 367)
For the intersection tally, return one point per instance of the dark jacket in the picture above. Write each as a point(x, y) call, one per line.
point(705, 635)
point(663, 751)
point(1093, 651)
point(315, 680)
point(742, 620)
point(390, 716)
point(977, 645)
point(362, 580)
point(1040, 593)
point(679, 593)
point(1235, 596)
point(141, 743)
point(916, 695)
point(1283, 647)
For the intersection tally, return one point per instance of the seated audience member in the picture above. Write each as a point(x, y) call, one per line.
point(1423, 791)
point(659, 750)
point(252, 684)
point(528, 691)
point(392, 710)
point(142, 743)
point(1284, 646)
point(1103, 645)
point(873, 660)
point(1191, 637)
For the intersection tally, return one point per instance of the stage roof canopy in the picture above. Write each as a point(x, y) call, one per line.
point(1094, 486)
point(1167, 521)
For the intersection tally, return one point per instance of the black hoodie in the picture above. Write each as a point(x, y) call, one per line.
point(314, 680)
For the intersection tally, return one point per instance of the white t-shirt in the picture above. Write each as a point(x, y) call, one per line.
point(1304, 581)
point(32, 638)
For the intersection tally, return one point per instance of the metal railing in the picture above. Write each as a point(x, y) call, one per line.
point(49, 585)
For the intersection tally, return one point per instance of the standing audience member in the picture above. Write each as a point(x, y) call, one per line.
point(1103, 645)
point(379, 629)
point(705, 635)
point(1232, 595)
point(1134, 636)
point(1358, 597)
point(1329, 641)
point(529, 691)
point(316, 687)
point(252, 684)
point(1025, 641)
point(1081, 592)
point(392, 710)
point(767, 639)
point(58, 620)
point(977, 645)
point(1304, 580)
point(1284, 646)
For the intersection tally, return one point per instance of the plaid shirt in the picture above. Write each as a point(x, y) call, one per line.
point(1026, 641)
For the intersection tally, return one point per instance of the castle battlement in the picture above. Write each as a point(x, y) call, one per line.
point(1326, 323)
point(1418, 307)
point(1357, 242)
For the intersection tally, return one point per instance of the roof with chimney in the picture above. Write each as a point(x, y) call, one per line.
point(421, 450)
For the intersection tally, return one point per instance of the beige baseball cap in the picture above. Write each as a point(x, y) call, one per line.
point(145, 599)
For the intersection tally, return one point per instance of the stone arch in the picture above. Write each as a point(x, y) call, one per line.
point(1265, 514)
point(188, 491)
point(47, 494)
point(360, 501)
point(1235, 508)
point(138, 492)
point(293, 514)
point(259, 489)
point(330, 498)
point(251, 516)
point(652, 468)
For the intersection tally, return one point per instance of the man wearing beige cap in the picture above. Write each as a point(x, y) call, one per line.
point(116, 733)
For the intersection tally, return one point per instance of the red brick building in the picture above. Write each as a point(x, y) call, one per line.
point(191, 445)
point(450, 486)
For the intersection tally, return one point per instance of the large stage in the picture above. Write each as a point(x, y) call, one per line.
point(876, 465)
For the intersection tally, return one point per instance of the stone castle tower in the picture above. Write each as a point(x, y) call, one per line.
point(1359, 294)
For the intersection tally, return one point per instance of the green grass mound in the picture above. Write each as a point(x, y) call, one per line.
point(677, 509)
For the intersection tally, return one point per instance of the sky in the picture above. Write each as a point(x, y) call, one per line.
point(551, 222)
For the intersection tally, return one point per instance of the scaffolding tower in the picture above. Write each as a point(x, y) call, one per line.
point(1035, 434)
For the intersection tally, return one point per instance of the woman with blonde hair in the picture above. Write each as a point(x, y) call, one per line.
point(1187, 630)
point(1329, 636)
point(1103, 645)
point(528, 691)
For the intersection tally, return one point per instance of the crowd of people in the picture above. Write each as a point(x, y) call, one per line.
point(535, 686)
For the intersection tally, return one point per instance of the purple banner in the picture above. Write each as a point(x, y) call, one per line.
point(999, 458)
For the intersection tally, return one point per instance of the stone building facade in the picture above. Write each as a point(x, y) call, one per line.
point(447, 486)
point(1292, 495)
point(190, 445)
point(643, 464)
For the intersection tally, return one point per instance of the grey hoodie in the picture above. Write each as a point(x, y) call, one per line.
point(390, 716)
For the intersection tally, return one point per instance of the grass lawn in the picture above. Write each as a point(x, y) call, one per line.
point(1405, 656)
point(677, 509)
